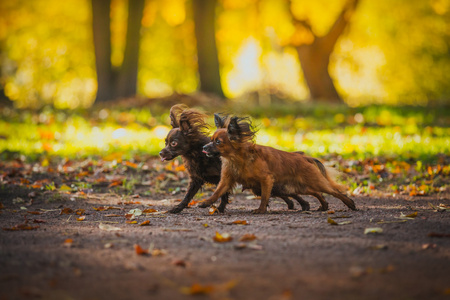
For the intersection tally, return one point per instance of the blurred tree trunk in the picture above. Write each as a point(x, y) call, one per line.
point(121, 82)
point(127, 77)
point(314, 54)
point(102, 44)
point(205, 34)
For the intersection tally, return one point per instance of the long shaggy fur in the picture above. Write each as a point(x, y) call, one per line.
point(265, 169)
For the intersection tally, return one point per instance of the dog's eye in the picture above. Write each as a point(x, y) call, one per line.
point(173, 143)
point(217, 142)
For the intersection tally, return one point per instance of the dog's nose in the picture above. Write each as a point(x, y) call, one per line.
point(204, 148)
point(160, 153)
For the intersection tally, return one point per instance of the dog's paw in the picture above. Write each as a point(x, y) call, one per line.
point(322, 208)
point(305, 207)
point(259, 211)
point(176, 209)
point(204, 204)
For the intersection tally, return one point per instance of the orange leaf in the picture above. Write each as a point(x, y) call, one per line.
point(115, 183)
point(240, 222)
point(130, 164)
point(24, 226)
point(34, 212)
point(81, 218)
point(80, 211)
point(212, 210)
point(139, 250)
point(180, 168)
point(100, 208)
point(66, 211)
point(222, 238)
point(145, 223)
point(149, 211)
point(198, 289)
point(2, 206)
point(247, 237)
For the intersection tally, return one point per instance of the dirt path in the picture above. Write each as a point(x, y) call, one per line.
point(296, 255)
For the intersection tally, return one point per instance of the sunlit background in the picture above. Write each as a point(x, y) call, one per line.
point(392, 52)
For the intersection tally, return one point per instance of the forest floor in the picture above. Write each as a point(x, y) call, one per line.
point(63, 239)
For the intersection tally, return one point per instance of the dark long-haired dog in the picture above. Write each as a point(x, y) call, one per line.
point(266, 169)
point(187, 138)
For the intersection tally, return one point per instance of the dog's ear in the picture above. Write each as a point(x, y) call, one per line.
point(220, 122)
point(234, 130)
point(174, 111)
point(185, 126)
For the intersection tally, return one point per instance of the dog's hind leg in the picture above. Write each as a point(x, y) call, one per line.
point(303, 202)
point(347, 201)
point(223, 202)
point(323, 203)
point(288, 201)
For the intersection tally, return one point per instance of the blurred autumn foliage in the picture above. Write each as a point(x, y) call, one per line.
point(392, 52)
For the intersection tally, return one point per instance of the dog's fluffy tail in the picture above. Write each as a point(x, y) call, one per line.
point(331, 174)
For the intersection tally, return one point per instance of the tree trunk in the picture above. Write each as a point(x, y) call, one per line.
point(314, 56)
point(127, 77)
point(315, 71)
point(102, 46)
point(205, 34)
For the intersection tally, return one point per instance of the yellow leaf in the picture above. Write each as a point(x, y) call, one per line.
point(81, 218)
point(373, 230)
point(413, 215)
point(222, 238)
point(65, 188)
point(331, 221)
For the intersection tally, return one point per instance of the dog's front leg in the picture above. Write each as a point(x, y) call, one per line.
point(194, 186)
point(266, 190)
point(223, 186)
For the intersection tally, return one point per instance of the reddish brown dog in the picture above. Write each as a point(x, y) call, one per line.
point(264, 168)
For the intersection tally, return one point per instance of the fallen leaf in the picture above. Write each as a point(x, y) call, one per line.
point(2, 206)
point(113, 215)
point(145, 223)
point(373, 230)
point(158, 252)
point(149, 211)
point(100, 208)
point(213, 210)
point(428, 246)
point(136, 212)
point(81, 218)
point(107, 227)
point(65, 188)
point(247, 237)
point(331, 221)
point(408, 217)
point(179, 263)
point(222, 238)
point(379, 247)
point(24, 226)
point(80, 211)
point(131, 222)
point(198, 289)
point(115, 183)
point(39, 221)
point(139, 250)
point(440, 235)
point(34, 212)
point(66, 211)
point(68, 243)
point(240, 222)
